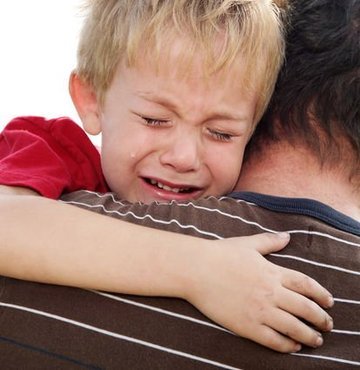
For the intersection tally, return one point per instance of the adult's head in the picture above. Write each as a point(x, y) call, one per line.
point(173, 86)
point(316, 104)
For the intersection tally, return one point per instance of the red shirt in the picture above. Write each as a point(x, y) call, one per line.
point(49, 156)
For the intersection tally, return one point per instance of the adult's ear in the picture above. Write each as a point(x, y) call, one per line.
point(86, 104)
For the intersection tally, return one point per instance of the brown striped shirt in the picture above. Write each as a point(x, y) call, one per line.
point(48, 327)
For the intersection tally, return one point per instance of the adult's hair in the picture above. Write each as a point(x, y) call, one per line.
point(317, 97)
point(117, 31)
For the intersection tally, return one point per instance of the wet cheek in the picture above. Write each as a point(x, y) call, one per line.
point(112, 165)
point(115, 179)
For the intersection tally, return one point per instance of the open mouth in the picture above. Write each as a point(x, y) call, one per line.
point(177, 190)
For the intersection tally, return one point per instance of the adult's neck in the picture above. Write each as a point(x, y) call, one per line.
point(288, 171)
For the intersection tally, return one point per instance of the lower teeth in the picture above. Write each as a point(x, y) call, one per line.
point(167, 188)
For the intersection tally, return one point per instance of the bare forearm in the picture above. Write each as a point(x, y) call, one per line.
point(16, 190)
point(47, 241)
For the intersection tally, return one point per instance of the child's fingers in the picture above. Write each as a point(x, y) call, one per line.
point(291, 327)
point(302, 307)
point(272, 339)
point(266, 243)
point(305, 285)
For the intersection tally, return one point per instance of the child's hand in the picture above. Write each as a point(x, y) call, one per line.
point(238, 288)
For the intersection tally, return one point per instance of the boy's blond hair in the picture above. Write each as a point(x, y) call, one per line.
point(125, 30)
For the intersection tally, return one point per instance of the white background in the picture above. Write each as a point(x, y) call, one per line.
point(38, 40)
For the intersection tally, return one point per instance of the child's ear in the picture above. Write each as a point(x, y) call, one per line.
point(86, 104)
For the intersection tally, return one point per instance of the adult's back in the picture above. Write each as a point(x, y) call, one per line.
point(58, 327)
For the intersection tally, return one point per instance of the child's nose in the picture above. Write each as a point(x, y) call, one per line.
point(182, 153)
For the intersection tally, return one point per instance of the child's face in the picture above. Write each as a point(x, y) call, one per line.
point(168, 136)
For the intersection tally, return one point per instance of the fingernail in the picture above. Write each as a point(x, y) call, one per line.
point(330, 301)
point(330, 324)
point(297, 348)
point(283, 235)
point(319, 340)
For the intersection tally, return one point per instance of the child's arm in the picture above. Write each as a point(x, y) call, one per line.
point(46, 241)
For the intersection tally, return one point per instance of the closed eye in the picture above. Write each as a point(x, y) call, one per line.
point(153, 121)
point(221, 136)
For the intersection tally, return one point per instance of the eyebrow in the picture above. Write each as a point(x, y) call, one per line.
point(219, 115)
point(150, 97)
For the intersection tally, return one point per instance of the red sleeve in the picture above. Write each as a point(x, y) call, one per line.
point(49, 156)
